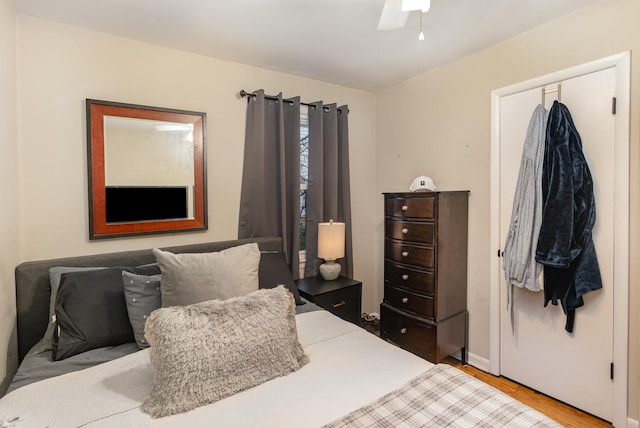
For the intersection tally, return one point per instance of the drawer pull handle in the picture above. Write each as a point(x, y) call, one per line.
point(340, 303)
point(405, 300)
point(403, 331)
point(405, 230)
point(404, 208)
point(405, 253)
point(405, 277)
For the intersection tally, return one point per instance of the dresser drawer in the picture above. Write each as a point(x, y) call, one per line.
point(419, 280)
point(409, 230)
point(410, 207)
point(344, 303)
point(341, 296)
point(408, 333)
point(419, 304)
point(410, 254)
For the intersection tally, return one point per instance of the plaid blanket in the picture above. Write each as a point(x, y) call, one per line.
point(445, 397)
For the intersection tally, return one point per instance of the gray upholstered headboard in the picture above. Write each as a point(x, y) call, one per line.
point(33, 289)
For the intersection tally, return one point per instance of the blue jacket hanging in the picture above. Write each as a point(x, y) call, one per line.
point(565, 243)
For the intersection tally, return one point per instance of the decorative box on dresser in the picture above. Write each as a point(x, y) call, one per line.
point(425, 273)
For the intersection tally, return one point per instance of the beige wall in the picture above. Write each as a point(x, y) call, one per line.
point(60, 66)
point(438, 124)
point(8, 192)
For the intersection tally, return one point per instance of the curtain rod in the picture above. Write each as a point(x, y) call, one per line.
point(246, 94)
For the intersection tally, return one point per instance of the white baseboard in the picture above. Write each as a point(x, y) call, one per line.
point(478, 362)
point(474, 360)
point(632, 423)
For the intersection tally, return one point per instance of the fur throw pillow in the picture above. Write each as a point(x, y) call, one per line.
point(207, 351)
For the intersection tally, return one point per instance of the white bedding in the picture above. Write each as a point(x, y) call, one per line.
point(348, 368)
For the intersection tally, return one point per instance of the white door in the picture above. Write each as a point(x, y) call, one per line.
point(574, 368)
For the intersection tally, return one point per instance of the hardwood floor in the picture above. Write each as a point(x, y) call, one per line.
point(560, 412)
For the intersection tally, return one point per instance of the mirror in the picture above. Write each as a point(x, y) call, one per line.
point(147, 170)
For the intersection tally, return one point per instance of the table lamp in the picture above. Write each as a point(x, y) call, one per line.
point(330, 248)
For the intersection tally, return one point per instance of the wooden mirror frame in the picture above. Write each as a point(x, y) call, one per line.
point(96, 110)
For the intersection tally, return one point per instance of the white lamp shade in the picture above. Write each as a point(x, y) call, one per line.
point(330, 240)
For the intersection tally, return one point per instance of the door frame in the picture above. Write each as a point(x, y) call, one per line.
point(621, 63)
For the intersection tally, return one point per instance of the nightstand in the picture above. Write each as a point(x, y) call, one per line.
point(342, 296)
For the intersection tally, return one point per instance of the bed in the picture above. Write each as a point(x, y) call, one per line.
point(347, 376)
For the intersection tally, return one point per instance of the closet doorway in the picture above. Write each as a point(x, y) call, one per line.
point(575, 368)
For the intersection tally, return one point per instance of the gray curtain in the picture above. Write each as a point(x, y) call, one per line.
point(328, 191)
point(270, 196)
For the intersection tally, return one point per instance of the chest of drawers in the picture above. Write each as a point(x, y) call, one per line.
point(425, 273)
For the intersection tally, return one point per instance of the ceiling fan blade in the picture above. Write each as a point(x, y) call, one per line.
point(392, 16)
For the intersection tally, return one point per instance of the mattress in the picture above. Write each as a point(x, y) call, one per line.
point(349, 367)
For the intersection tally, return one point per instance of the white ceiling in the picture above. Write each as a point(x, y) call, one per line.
point(329, 40)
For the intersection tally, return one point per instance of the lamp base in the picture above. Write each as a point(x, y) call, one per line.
point(330, 270)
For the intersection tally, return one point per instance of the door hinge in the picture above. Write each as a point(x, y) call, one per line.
point(613, 105)
point(499, 253)
point(611, 371)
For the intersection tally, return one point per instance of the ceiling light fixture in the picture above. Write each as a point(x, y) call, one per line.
point(409, 5)
point(395, 13)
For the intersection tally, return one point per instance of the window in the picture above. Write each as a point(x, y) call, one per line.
point(304, 174)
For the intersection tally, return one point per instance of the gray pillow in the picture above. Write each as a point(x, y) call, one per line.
point(142, 294)
point(90, 312)
point(55, 275)
point(195, 277)
point(207, 351)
